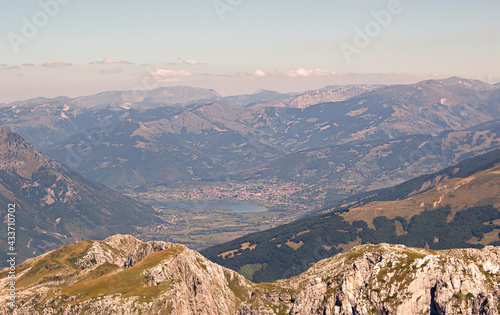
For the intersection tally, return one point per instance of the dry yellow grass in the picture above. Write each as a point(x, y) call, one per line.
point(231, 253)
point(488, 238)
point(347, 247)
point(294, 245)
point(247, 245)
point(228, 254)
point(482, 188)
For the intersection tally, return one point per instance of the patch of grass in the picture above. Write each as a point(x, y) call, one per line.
point(57, 265)
point(248, 270)
point(239, 290)
point(128, 282)
point(201, 264)
point(100, 271)
point(412, 256)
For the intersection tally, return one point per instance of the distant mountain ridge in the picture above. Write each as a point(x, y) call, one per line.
point(257, 97)
point(136, 97)
point(204, 140)
point(328, 94)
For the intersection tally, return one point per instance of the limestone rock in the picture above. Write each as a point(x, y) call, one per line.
point(122, 275)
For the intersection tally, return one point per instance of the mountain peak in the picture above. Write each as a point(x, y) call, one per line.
point(458, 81)
point(395, 279)
point(151, 277)
point(19, 157)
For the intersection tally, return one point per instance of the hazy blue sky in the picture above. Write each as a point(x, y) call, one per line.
point(239, 46)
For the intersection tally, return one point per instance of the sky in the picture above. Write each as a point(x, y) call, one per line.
point(73, 47)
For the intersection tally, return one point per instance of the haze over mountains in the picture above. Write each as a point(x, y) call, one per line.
point(219, 138)
point(365, 137)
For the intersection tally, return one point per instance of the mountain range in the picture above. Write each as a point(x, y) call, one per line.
point(370, 138)
point(126, 276)
point(361, 134)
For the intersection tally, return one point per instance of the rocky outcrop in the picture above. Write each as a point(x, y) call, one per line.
point(126, 276)
point(394, 279)
point(198, 286)
point(144, 250)
point(123, 275)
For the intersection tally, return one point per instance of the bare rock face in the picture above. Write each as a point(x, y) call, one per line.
point(393, 279)
point(126, 276)
point(125, 243)
point(98, 255)
point(122, 275)
point(143, 250)
point(205, 288)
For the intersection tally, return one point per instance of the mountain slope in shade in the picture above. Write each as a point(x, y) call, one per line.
point(126, 276)
point(56, 206)
point(457, 207)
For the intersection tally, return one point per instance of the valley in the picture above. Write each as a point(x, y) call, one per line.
point(455, 207)
point(197, 221)
point(312, 167)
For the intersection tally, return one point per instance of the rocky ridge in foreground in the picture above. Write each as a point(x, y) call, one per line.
point(123, 275)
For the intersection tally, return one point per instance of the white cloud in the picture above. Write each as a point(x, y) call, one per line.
point(191, 62)
point(109, 61)
point(259, 73)
point(301, 72)
point(56, 64)
point(28, 64)
point(171, 73)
